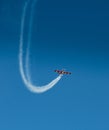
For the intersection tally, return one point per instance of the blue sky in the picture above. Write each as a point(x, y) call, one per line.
point(66, 34)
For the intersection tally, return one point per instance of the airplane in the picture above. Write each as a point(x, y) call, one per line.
point(62, 72)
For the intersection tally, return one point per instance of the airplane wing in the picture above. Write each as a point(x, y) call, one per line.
point(62, 72)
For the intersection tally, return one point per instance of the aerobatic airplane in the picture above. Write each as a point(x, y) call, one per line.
point(62, 72)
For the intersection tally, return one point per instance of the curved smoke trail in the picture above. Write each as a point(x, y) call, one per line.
point(26, 77)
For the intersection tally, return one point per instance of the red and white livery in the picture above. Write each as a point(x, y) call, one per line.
point(62, 72)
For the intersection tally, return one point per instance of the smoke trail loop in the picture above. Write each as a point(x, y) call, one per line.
point(26, 76)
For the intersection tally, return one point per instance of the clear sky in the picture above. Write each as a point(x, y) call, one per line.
point(66, 34)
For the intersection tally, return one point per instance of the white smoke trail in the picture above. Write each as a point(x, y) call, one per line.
point(26, 78)
point(29, 41)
